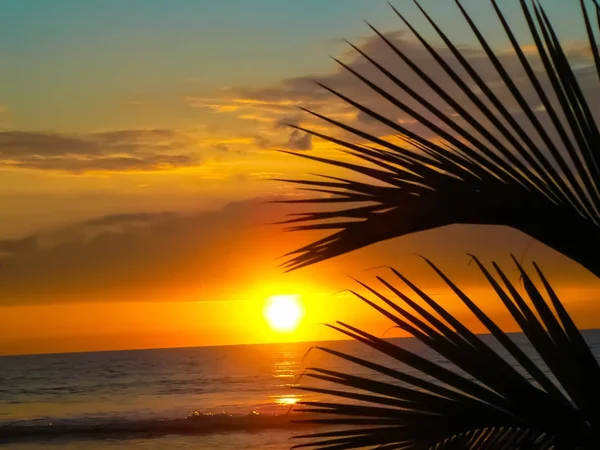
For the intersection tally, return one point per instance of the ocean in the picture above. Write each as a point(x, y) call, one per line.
point(142, 399)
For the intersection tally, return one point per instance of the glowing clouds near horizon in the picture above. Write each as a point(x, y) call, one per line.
point(283, 312)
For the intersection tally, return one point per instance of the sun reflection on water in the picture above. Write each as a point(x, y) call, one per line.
point(285, 369)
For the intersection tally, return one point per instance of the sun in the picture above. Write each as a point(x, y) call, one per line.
point(283, 312)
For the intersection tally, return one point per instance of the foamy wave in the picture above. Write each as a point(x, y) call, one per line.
point(195, 423)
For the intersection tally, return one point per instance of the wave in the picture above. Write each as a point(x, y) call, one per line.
point(195, 423)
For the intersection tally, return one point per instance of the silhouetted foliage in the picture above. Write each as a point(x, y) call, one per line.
point(467, 174)
point(488, 403)
point(544, 182)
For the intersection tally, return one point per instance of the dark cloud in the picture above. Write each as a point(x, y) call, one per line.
point(296, 89)
point(16, 144)
point(18, 246)
point(263, 143)
point(120, 219)
point(151, 162)
point(304, 92)
point(299, 141)
point(123, 253)
point(286, 121)
point(221, 254)
point(110, 151)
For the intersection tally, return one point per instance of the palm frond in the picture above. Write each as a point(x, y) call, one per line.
point(478, 401)
point(541, 176)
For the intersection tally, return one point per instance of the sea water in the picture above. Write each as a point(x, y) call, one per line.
point(230, 397)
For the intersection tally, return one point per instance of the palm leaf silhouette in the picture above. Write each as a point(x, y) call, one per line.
point(487, 404)
point(534, 168)
point(483, 165)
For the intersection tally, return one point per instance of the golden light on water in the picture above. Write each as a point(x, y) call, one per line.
point(283, 312)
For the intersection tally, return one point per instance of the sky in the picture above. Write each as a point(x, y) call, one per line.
point(137, 155)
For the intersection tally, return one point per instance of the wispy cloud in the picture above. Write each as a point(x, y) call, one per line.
point(135, 253)
point(299, 141)
point(165, 256)
point(272, 106)
point(123, 150)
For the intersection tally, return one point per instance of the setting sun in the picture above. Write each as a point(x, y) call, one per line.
point(283, 312)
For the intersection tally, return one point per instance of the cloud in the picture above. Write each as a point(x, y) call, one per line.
point(128, 218)
point(299, 141)
point(278, 103)
point(225, 253)
point(133, 254)
point(286, 121)
point(122, 150)
point(263, 143)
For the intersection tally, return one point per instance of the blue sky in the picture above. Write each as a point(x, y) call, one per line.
point(65, 60)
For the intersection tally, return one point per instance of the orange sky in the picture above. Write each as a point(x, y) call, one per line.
point(134, 168)
point(194, 284)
